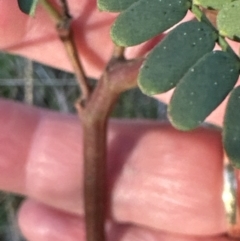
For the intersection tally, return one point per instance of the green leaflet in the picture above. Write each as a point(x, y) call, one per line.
point(212, 4)
point(146, 19)
point(114, 5)
point(28, 6)
point(202, 89)
point(228, 20)
point(172, 57)
point(231, 128)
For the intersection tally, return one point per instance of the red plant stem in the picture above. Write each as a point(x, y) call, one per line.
point(63, 23)
point(94, 121)
point(95, 180)
point(66, 35)
point(94, 116)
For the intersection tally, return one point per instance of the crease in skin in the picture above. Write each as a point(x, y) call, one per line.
point(39, 222)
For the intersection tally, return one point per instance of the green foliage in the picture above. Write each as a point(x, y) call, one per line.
point(28, 6)
point(114, 5)
point(164, 66)
point(231, 130)
point(228, 20)
point(202, 89)
point(146, 19)
point(212, 4)
point(202, 78)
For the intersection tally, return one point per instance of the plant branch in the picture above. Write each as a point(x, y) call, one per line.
point(118, 77)
point(53, 13)
point(65, 8)
point(118, 52)
point(66, 35)
point(63, 23)
point(123, 75)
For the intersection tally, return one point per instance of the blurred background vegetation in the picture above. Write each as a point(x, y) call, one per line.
point(35, 84)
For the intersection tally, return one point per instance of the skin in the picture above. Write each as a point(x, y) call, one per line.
point(164, 184)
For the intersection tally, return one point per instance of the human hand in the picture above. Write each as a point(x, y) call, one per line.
point(165, 191)
point(164, 184)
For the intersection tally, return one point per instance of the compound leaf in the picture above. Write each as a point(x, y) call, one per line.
point(172, 57)
point(212, 4)
point(114, 5)
point(231, 128)
point(146, 19)
point(228, 20)
point(28, 6)
point(202, 89)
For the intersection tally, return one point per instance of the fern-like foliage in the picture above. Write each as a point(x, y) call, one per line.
point(185, 59)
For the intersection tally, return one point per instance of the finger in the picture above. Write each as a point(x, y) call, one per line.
point(32, 37)
point(155, 172)
point(17, 125)
point(39, 223)
point(36, 38)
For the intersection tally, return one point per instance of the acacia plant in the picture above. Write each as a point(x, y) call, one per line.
point(184, 59)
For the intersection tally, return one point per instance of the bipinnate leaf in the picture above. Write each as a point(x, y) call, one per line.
point(231, 128)
point(228, 20)
point(28, 6)
point(114, 5)
point(202, 89)
point(172, 57)
point(212, 4)
point(146, 19)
